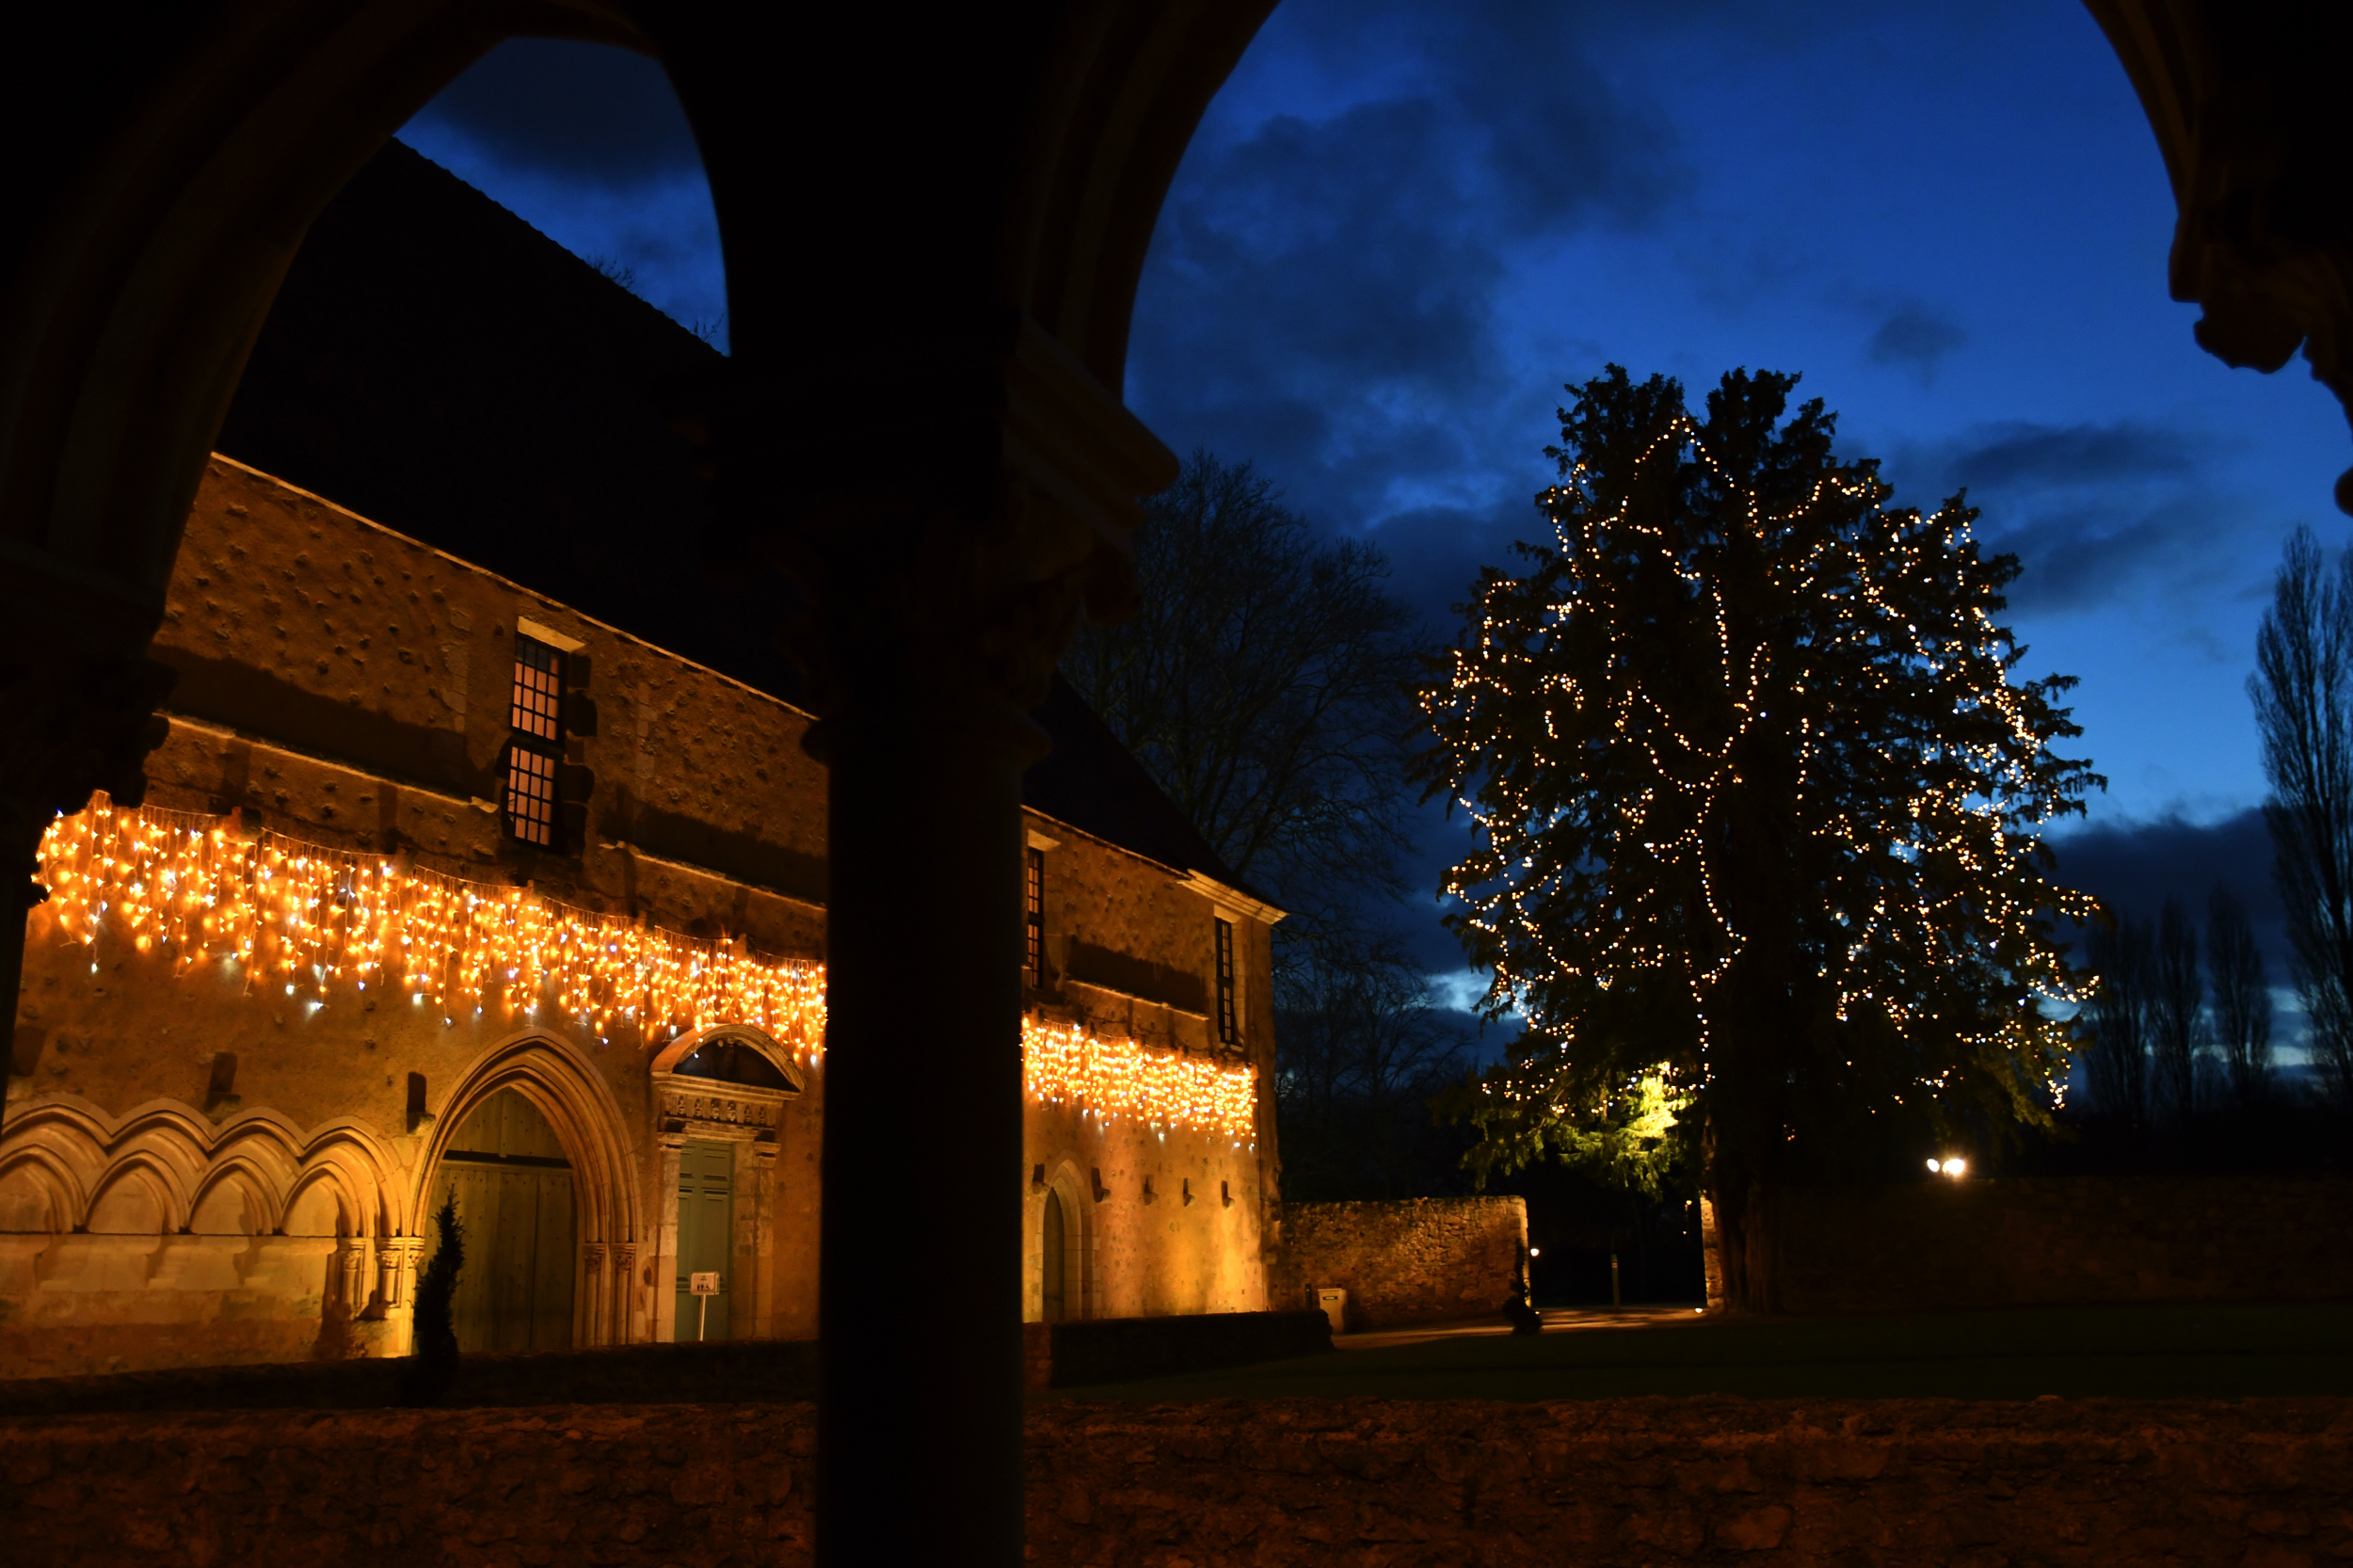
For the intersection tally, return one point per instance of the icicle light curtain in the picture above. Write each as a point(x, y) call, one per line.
point(308, 921)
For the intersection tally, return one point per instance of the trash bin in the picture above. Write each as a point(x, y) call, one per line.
point(1334, 1302)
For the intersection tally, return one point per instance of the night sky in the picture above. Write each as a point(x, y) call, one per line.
point(1403, 226)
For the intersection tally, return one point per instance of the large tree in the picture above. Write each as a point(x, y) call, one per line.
point(1264, 685)
point(2302, 690)
point(1756, 806)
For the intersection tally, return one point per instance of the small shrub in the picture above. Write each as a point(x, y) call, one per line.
point(434, 1355)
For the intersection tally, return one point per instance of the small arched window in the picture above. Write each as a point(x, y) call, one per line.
point(731, 1061)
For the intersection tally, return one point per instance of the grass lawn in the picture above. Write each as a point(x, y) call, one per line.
point(2141, 1351)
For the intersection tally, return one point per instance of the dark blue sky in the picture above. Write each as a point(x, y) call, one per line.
point(1405, 224)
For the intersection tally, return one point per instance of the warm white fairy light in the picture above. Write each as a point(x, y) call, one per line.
point(307, 923)
point(1939, 894)
point(1061, 1063)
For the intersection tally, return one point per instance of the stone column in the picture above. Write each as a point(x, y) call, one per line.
point(71, 721)
point(940, 587)
point(397, 1259)
point(629, 1323)
point(757, 1168)
point(595, 1290)
point(662, 1303)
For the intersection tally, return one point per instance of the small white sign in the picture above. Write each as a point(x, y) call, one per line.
point(705, 1283)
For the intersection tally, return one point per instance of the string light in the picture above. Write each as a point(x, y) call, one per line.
point(1063, 1065)
point(1601, 849)
point(307, 923)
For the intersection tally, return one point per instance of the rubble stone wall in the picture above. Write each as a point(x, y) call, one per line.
point(1417, 1260)
point(1265, 1483)
point(2048, 1241)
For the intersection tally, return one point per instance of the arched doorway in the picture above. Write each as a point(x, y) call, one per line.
point(512, 1187)
point(1054, 1263)
point(1058, 1251)
point(535, 1113)
point(719, 1098)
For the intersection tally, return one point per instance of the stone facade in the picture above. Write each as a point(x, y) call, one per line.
point(196, 1167)
point(2049, 1241)
point(2259, 1482)
point(1418, 1260)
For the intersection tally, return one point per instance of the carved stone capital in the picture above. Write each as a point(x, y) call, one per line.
point(397, 1259)
point(2248, 105)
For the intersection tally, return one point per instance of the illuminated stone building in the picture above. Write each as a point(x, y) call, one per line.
point(443, 884)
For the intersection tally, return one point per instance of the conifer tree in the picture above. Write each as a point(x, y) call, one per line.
point(1756, 806)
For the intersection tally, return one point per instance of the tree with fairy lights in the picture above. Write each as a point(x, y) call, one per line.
point(1757, 807)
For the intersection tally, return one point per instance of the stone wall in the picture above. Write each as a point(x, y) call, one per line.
point(1414, 1262)
point(2075, 1239)
point(1122, 1350)
point(2252, 1484)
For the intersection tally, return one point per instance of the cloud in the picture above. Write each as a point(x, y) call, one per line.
point(2136, 867)
point(2020, 453)
point(581, 112)
point(2096, 512)
point(1911, 334)
point(1323, 289)
point(588, 145)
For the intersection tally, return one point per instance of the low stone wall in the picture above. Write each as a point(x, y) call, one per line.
point(1414, 1262)
point(2251, 1484)
point(1116, 1350)
point(727, 1371)
point(721, 1372)
point(2047, 1241)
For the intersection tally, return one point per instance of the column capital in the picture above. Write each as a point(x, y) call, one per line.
point(2247, 102)
point(944, 558)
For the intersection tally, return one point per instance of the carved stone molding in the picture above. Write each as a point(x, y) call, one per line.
point(2248, 104)
point(396, 1261)
point(702, 1106)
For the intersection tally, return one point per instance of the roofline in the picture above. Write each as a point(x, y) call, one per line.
point(509, 582)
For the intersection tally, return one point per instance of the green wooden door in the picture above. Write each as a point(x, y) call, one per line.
point(706, 1235)
point(514, 1194)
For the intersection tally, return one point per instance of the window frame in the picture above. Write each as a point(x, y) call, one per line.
point(1228, 1017)
point(1033, 914)
point(535, 742)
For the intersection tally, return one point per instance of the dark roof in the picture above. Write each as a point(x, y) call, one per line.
point(439, 365)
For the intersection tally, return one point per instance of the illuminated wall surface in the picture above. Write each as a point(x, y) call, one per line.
point(310, 921)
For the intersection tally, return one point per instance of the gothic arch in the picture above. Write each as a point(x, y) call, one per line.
point(564, 1086)
point(39, 1174)
point(241, 1175)
point(1081, 1289)
point(140, 1178)
point(81, 1152)
point(776, 1055)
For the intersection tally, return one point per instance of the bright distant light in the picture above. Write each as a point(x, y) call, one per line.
point(1955, 1167)
point(1934, 1166)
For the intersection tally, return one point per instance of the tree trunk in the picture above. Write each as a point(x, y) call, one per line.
point(1748, 1247)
